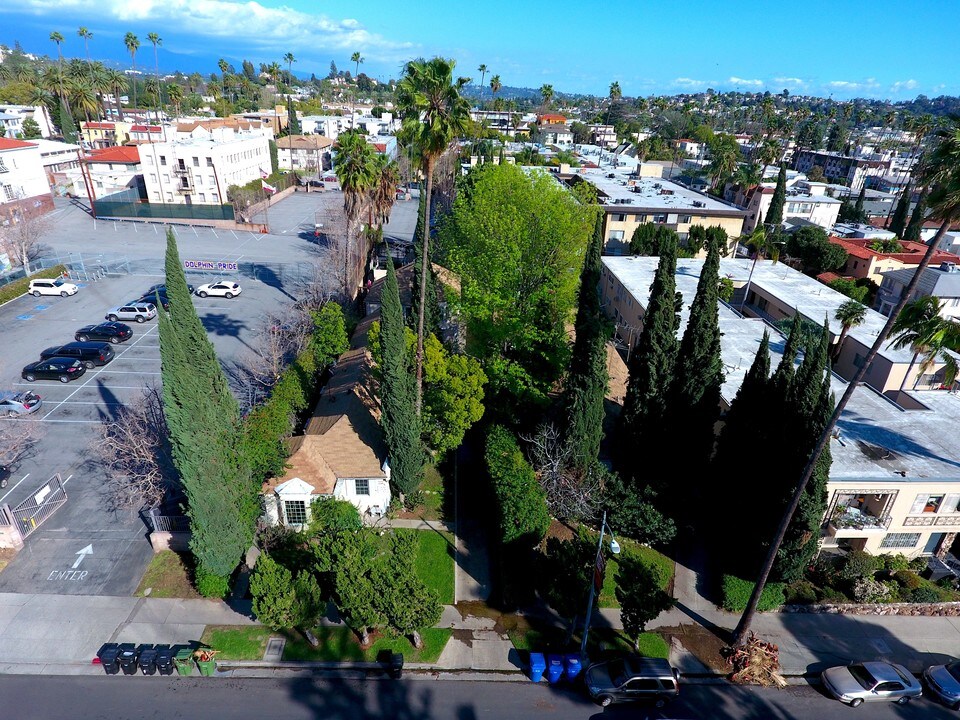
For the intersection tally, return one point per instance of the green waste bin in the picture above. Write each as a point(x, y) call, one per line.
point(183, 661)
point(207, 667)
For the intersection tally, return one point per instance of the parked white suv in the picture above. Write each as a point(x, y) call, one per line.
point(57, 286)
point(139, 311)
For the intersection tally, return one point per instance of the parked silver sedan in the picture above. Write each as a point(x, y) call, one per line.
point(871, 682)
point(944, 682)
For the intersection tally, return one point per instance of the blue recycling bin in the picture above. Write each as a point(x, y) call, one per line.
point(538, 666)
point(574, 667)
point(554, 668)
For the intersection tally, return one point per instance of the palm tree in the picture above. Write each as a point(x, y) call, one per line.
point(483, 76)
point(762, 244)
point(355, 58)
point(82, 96)
point(850, 315)
point(922, 328)
point(941, 173)
point(175, 94)
point(495, 86)
point(387, 177)
point(289, 59)
point(224, 66)
point(546, 92)
point(86, 35)
point(101, 82)
point(58, 39)
point(615, 96)
point(118, 80)
point(155, 40)
point(42, 98)
point(770, 151)
point(434, 114)
point(132, 43)
point(355, 166)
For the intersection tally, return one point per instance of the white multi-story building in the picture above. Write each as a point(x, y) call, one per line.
point(811, 204)
point(197, 169)
point(57, 157)
point(327, 125)
point(24, 190)
point(304, 152)
point(12, 117)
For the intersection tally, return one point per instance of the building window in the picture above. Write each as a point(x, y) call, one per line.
point(203, 198)
point(362, 486)
point(660, 218)
point(153, 178)
point(618, 217)
point(169, 197)
point(8, 192)
point(685, 219)
point(900, 540)
point(156, 196)
point(616, 235)
point(209, 162)
point(196, 162)
point(926, 504)
point(163, 159)
point(295, 512)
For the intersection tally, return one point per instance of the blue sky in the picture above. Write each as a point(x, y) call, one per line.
point(843, 48)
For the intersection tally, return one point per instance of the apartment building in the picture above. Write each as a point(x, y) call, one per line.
point(602, 135)
point(197, 169)
point(894, 482)
point(24, 190)
point(12, 117)
point(304, 152)
point(854, 171)
point(108, 171)
point(941, 281)
point(559, 135)
point(105, 134)
point(629, 201)
point(812, 205)
point(865, 262)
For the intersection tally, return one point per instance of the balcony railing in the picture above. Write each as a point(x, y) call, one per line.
point(853, 519)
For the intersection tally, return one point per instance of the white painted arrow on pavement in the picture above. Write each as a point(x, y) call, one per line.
point(88, 550)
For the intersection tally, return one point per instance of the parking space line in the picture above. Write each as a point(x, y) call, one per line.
point(95, 374)
point(14, 487)
point(127, 372)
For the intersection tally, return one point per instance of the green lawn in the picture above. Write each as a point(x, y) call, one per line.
point(340, 643)
point(432, 487)
point(236, 643)
point(434, 563)
point(651, 557)
point(169, 575)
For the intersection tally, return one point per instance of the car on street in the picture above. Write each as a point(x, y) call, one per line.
point(162, 288)
point(944, 682)
point(62, 369)
point(632, 678)
point(224, 288)
point(139, 311)
point(114, 332)
point(153, 297)
point(858, 683)
point(91, 354)
point(56, 286)
point(19, 403)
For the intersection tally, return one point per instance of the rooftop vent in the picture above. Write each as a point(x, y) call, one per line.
point(949, 267)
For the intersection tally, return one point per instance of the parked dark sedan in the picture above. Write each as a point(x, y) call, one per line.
point(62, 369)
point(163, 289)
point(114, 332)
point(154, 296)
point(91, 354)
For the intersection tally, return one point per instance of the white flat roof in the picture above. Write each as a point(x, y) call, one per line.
point(878, 438)
point(648, 193)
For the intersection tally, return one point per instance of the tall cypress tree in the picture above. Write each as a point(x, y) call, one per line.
point(775, 212)
point(785, 370)
point(912, 233)
point(293, 122)
point(204, 419)
point(899, 222)
point(861, 216)
point(694, 397)
point(399, 419)
point(651, 363)
point(587, 384)
point(68, 127)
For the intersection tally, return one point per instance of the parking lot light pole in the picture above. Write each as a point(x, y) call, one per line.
point(596, 578)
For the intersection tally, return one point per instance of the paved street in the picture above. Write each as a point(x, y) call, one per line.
point(413, 698)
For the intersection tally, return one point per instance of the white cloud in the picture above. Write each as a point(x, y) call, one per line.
point(902, 85)
point(868, 84)
point(686, 82)
point(246, 23)
point(790, 81)
point(741, 81)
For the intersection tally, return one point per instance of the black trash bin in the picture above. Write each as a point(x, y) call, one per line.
point(147, 659)
point(128, 659)
point(165, 655)
point(108, 658)
point(396, 666)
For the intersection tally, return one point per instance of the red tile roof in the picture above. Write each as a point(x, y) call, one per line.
point(828, 277)
point(10, 144)
point(124, 154)
point(99, 126)
point(146, 128)
point(860, 248)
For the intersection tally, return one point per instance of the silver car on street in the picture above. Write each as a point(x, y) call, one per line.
point(871, 682)
point(944, 682)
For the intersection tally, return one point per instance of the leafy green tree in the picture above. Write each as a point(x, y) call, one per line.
point(922, 328)
point(517, 241)
point(293, 122)
point(850, 289)
point(898, 224)
point(329, 340)
point(565, 570)
point(693, 406)
point(408, 605)
point(774, 216)
point(639, 594)
point(586, 386)
point(644, 240)
point(521, 505)
point(634, 513)
point(651, 363)
point(68, 126)
point(453, 396)
point(357, 581)
point(812, 247)
point(401, 424)
point(31, 129)
point(205, 433)
point(912, 233)
point(274, 597)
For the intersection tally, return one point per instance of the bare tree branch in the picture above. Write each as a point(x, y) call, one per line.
point(572, 494)
point(20, 239)
point(18, 439)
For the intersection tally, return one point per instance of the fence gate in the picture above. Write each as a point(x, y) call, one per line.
point(32, 512)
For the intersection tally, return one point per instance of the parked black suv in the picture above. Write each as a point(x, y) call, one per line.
point(91, 354)
point(632, 678)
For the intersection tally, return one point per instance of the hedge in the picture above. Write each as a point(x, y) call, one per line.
point(736, 594)
point(522, 505)
point(19, 287)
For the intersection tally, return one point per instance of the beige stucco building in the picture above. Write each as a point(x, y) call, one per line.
point(895, 478)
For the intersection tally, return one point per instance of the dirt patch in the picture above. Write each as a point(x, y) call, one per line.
point(707, 647)
point(619, 375)
point(6, 555)
point(559, 530)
